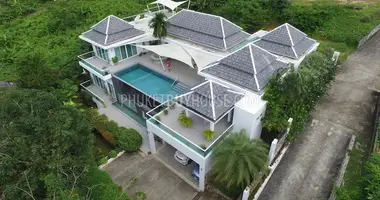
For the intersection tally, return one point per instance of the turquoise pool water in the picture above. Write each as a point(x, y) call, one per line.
point(150, 82)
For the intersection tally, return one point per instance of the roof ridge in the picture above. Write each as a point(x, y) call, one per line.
point(223, 33)
point(290, 36)
point(212, 100)
point(107, 28)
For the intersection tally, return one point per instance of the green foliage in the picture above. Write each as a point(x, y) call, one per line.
point(279, 6)
point(139, 196)
point(185, 120)
point(296, 94)
point(103, 160)
point(113, 154)
point(101, 186)
point(166, 112)
point(250, 15)
point(237, 160)
point(111, 126)
point(44, 143)
point(209, 134)
point(158, 24)
point(372, 177)
point(309, 17)
point(115, 59)
point(128, 139)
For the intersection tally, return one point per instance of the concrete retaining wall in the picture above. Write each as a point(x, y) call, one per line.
point(373, 32)
point(342, 169)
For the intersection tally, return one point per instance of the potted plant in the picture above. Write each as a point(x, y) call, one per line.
point(185, 120)
point(115, 59)
point(209, 134)
point(158, 119)
point(166, 112)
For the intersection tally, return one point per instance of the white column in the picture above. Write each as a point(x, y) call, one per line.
point(187, 113)
point(152, 143)
point(272, 151)
point(212, 126)
point(229, 116)
point(202, 177)
point(111, 54)
point(163, 66)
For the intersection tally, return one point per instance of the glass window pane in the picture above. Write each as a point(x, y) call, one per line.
point(129, 50)
point(98, 51)
point(118, 53)
point(106, 54)
point(134, 50)
point(123, 53)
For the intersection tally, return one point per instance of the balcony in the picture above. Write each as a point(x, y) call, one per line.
point(97, 93)
point(192, 137)
point(91, 61)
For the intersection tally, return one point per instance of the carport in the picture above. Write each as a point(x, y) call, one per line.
point(165, 155)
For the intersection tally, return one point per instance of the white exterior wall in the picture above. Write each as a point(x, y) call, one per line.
point(249, 121)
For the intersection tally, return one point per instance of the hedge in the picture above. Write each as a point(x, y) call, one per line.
point(128, 139)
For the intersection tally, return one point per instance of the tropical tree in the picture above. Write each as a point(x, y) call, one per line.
point(239, 159)
point(158, 24)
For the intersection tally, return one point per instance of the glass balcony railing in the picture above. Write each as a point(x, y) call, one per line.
point(83, 59)
point(201, 151)
point(85, 86)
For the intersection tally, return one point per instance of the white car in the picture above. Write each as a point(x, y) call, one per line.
point(181, 158)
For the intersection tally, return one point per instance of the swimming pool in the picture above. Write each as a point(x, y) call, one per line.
point(152, 83)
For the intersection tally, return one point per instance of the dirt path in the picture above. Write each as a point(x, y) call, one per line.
point(308, 169)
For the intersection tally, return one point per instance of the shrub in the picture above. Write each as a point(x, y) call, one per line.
point(115, 59)
point(129, 139)
point(366, 19)
point(308, 17)
point(209, 134)
point(139, 196)
point(185, 120)
point(102, 186)
point(166, 112)
point(103, 160)
point(111, 126)
point(113, 154)
point(297, 93)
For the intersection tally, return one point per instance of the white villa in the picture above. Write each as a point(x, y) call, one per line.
point(217, 77)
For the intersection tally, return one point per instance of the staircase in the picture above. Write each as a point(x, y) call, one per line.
point(180, 88)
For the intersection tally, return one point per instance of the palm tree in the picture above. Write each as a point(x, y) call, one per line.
point(238, 160)
point(158, 24)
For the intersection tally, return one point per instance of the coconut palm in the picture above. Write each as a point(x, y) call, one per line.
point(158, 24)
point(238, 160)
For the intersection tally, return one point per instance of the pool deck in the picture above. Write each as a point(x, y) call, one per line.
point(183, 72)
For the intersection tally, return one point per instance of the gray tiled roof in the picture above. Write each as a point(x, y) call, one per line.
point(205, 29)
point(286, 40)
point(111, 30)
point(247, 66)
point(207, 101)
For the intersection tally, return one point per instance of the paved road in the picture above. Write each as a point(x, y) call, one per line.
point(308, 169)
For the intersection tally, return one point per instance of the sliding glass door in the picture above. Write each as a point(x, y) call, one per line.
point(102, 53)
point(125, 51)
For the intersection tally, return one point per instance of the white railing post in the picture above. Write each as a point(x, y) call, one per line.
point(272, 151)
point(246, 193)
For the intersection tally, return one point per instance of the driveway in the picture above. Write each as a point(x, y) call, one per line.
point(137, 172)
point(310, 165)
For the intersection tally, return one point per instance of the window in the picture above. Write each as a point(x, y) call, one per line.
point(102, 53)
point(125, 51)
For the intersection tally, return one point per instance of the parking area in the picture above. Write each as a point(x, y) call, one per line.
point(165, 155)
point(137, 172)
